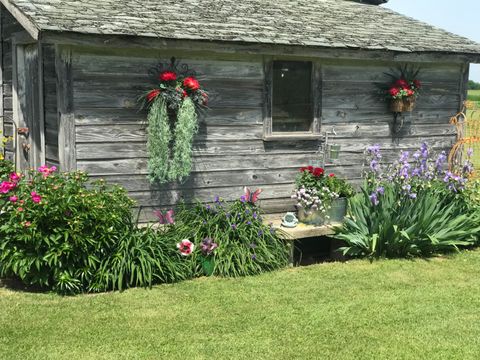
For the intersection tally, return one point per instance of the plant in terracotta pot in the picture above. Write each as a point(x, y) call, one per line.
point(321, 198)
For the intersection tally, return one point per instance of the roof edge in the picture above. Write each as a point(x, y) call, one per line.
point(24, 20)
point(121, 41)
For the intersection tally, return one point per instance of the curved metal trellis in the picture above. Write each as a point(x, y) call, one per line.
point(467, 123)
point(174, 65)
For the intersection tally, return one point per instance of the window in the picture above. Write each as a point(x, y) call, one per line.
point(291, 105)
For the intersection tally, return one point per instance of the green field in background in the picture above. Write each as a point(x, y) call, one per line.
point(473, 130)
point(474, 95)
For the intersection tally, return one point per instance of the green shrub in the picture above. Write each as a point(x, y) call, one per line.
point(55, 231)
point(60, 232)
point(246, 246)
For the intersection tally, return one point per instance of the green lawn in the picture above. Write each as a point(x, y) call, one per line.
point(395, 309)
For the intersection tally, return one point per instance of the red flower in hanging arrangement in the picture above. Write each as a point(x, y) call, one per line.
point(191, 83)
point(168, 76)
point(401, 83)
point(393, 92)
point(417, 84)
point(152, 95)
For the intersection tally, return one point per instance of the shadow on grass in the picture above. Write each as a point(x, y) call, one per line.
point(17, 285)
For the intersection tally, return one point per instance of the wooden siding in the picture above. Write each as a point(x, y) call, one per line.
point(9, 26)
point(50, 106)
point(229, 150)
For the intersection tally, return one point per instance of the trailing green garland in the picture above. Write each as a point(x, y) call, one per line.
point(158, 140)
point(166, 164)
point(172, 124)
point(185, 130)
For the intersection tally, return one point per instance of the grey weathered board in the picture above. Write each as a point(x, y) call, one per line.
point(9, 26)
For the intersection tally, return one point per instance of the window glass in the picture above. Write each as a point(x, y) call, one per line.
point(292, 109)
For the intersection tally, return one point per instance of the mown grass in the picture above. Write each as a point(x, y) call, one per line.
point(392, 309)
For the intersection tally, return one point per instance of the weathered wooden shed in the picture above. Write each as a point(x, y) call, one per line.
point(71, 72)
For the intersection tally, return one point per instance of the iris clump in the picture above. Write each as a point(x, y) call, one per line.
point(412, 207)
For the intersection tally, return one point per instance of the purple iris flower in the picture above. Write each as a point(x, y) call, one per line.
point(374, 199)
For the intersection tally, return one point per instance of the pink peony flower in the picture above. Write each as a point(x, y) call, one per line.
point(13, 199)
point(14, 177)
point(7, 186)
point(46, 171)
point(186, 247)
point(35, 197)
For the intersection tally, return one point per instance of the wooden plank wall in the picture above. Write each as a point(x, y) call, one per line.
point(353, 106)
point(50, 106)
point(229, 150)
point(9, 26)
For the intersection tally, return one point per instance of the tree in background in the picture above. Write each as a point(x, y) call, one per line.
point(472, 85)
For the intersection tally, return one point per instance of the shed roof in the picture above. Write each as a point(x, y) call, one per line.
point(319, 23)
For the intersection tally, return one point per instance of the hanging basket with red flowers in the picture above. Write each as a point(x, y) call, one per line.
point(404, 89)
point(173, 108)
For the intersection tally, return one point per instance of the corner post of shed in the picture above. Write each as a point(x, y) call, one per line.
point(66, 113)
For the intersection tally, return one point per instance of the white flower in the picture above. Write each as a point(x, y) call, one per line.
point(186, 247)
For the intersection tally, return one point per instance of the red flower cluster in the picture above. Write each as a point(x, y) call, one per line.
point(315, 171)
point(152, 95)
point(404, 89)
point(172, 84)
point(191, 83)
point(168, 76)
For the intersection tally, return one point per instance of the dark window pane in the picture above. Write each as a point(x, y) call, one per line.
point(292, 108)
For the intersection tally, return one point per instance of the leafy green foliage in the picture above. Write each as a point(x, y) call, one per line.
point(401, 227)
point(6, 166)
point(58, 231)
point(55, 231)
point(142, 257)
point(472, 85)
point(413, 207)
point(246, 246)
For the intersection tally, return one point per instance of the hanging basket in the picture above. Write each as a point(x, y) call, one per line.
point(397, 106)
point(409, 103)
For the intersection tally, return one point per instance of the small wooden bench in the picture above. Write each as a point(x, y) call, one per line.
point(301, 231)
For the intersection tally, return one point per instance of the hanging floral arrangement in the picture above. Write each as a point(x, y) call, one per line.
point(173, 108)
point(404, 89)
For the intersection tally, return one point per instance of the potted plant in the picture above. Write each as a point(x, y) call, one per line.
point(404, 89)
point(321, 198)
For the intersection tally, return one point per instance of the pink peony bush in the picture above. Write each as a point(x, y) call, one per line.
point(54, 229)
